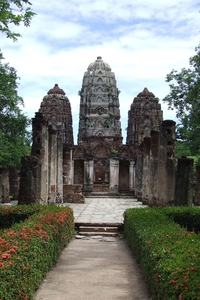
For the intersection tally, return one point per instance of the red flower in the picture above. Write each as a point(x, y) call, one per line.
point(5, 255)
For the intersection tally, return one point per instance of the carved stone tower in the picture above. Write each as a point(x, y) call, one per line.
point(144, 116)
point(42, 172)
point(99, 104)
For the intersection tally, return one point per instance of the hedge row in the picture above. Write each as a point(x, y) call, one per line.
point(186, 216)
point(167, 253)
point(10, 215)
point(29, 249)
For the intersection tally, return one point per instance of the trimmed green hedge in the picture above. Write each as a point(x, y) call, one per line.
point(10, 215)
point(168, 253)
point(188, 217)
point(29, 249)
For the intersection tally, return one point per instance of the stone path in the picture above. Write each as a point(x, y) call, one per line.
point(96, 267)
point(103, 210)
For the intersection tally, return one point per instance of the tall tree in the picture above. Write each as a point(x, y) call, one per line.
point(14, 12)
point(14, 137)
point(184, 97)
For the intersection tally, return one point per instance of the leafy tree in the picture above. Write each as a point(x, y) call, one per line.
point(14, 12)
point(14, 137)
point(184, 97)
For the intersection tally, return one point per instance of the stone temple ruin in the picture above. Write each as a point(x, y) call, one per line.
point(59, 171)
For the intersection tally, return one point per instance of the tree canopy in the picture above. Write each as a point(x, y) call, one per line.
point(14, 137)
point(184, 97)
point(14, 12)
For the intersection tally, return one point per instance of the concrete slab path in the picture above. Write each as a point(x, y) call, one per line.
point(96, 267)
point(91, 269)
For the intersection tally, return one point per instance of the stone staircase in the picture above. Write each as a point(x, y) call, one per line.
point(111, 229)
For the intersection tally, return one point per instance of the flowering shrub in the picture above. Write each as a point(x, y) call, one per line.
point(167, 253)
point(29, 249)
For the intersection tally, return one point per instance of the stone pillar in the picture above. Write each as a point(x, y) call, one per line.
point(13, 183)
point(4, 185)
point(71, 169)
point(197, 194)
point(131, 176)
point(184, 182)
point(88, 176)
point(146, 170)
point(28, 180)
point(43, 168)
point(134, 179)
point(41, 151)
point(52, 166)
point(153, 174)
point(139, 173)
point(166, 164)
point(59, 179)
point(68, 166)
point(114, 176)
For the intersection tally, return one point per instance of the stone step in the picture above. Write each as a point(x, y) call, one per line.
point(97, 229)
point(98, 233)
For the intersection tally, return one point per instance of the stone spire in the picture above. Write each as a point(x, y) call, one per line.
point(56, 110)
point(56, 90)
point(99, 103)
point(145, 115)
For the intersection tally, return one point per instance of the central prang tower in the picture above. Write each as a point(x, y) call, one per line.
point(99, 117)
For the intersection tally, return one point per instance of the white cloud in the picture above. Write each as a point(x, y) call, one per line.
point(142, 42)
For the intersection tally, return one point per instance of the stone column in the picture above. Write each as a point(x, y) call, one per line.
point(4, 185)
point(59, 181)
point(43, 167)
point(153, 174)
point(139, 173)
point(88, 176)
point(28, 180)
point(131, 176)
point(114, 176)
point(184, 182)
point(13, 183)
point(197, 195)
point(71, 169)
point(146, 171)
point(52, 166)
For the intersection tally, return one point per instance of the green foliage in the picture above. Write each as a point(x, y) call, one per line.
point(110, 114)
point(15, 214)
point(100, 111)
point(14, 12)
point(14, 137)
point(106, 123)
point(184, 98)
point(182, 149)
point(29, 249)
point(167, 252)
point(114, 152)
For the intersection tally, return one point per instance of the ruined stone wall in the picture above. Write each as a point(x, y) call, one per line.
point(13, 183)
point(29, 180)
point(155, 167)
point(73, 193)
point(9, 184)
point(184, 182)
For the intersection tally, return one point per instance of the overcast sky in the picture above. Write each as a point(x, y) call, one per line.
point(142, 41)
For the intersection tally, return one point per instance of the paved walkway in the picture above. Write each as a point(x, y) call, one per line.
point(96, 267)
point(103, 210)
